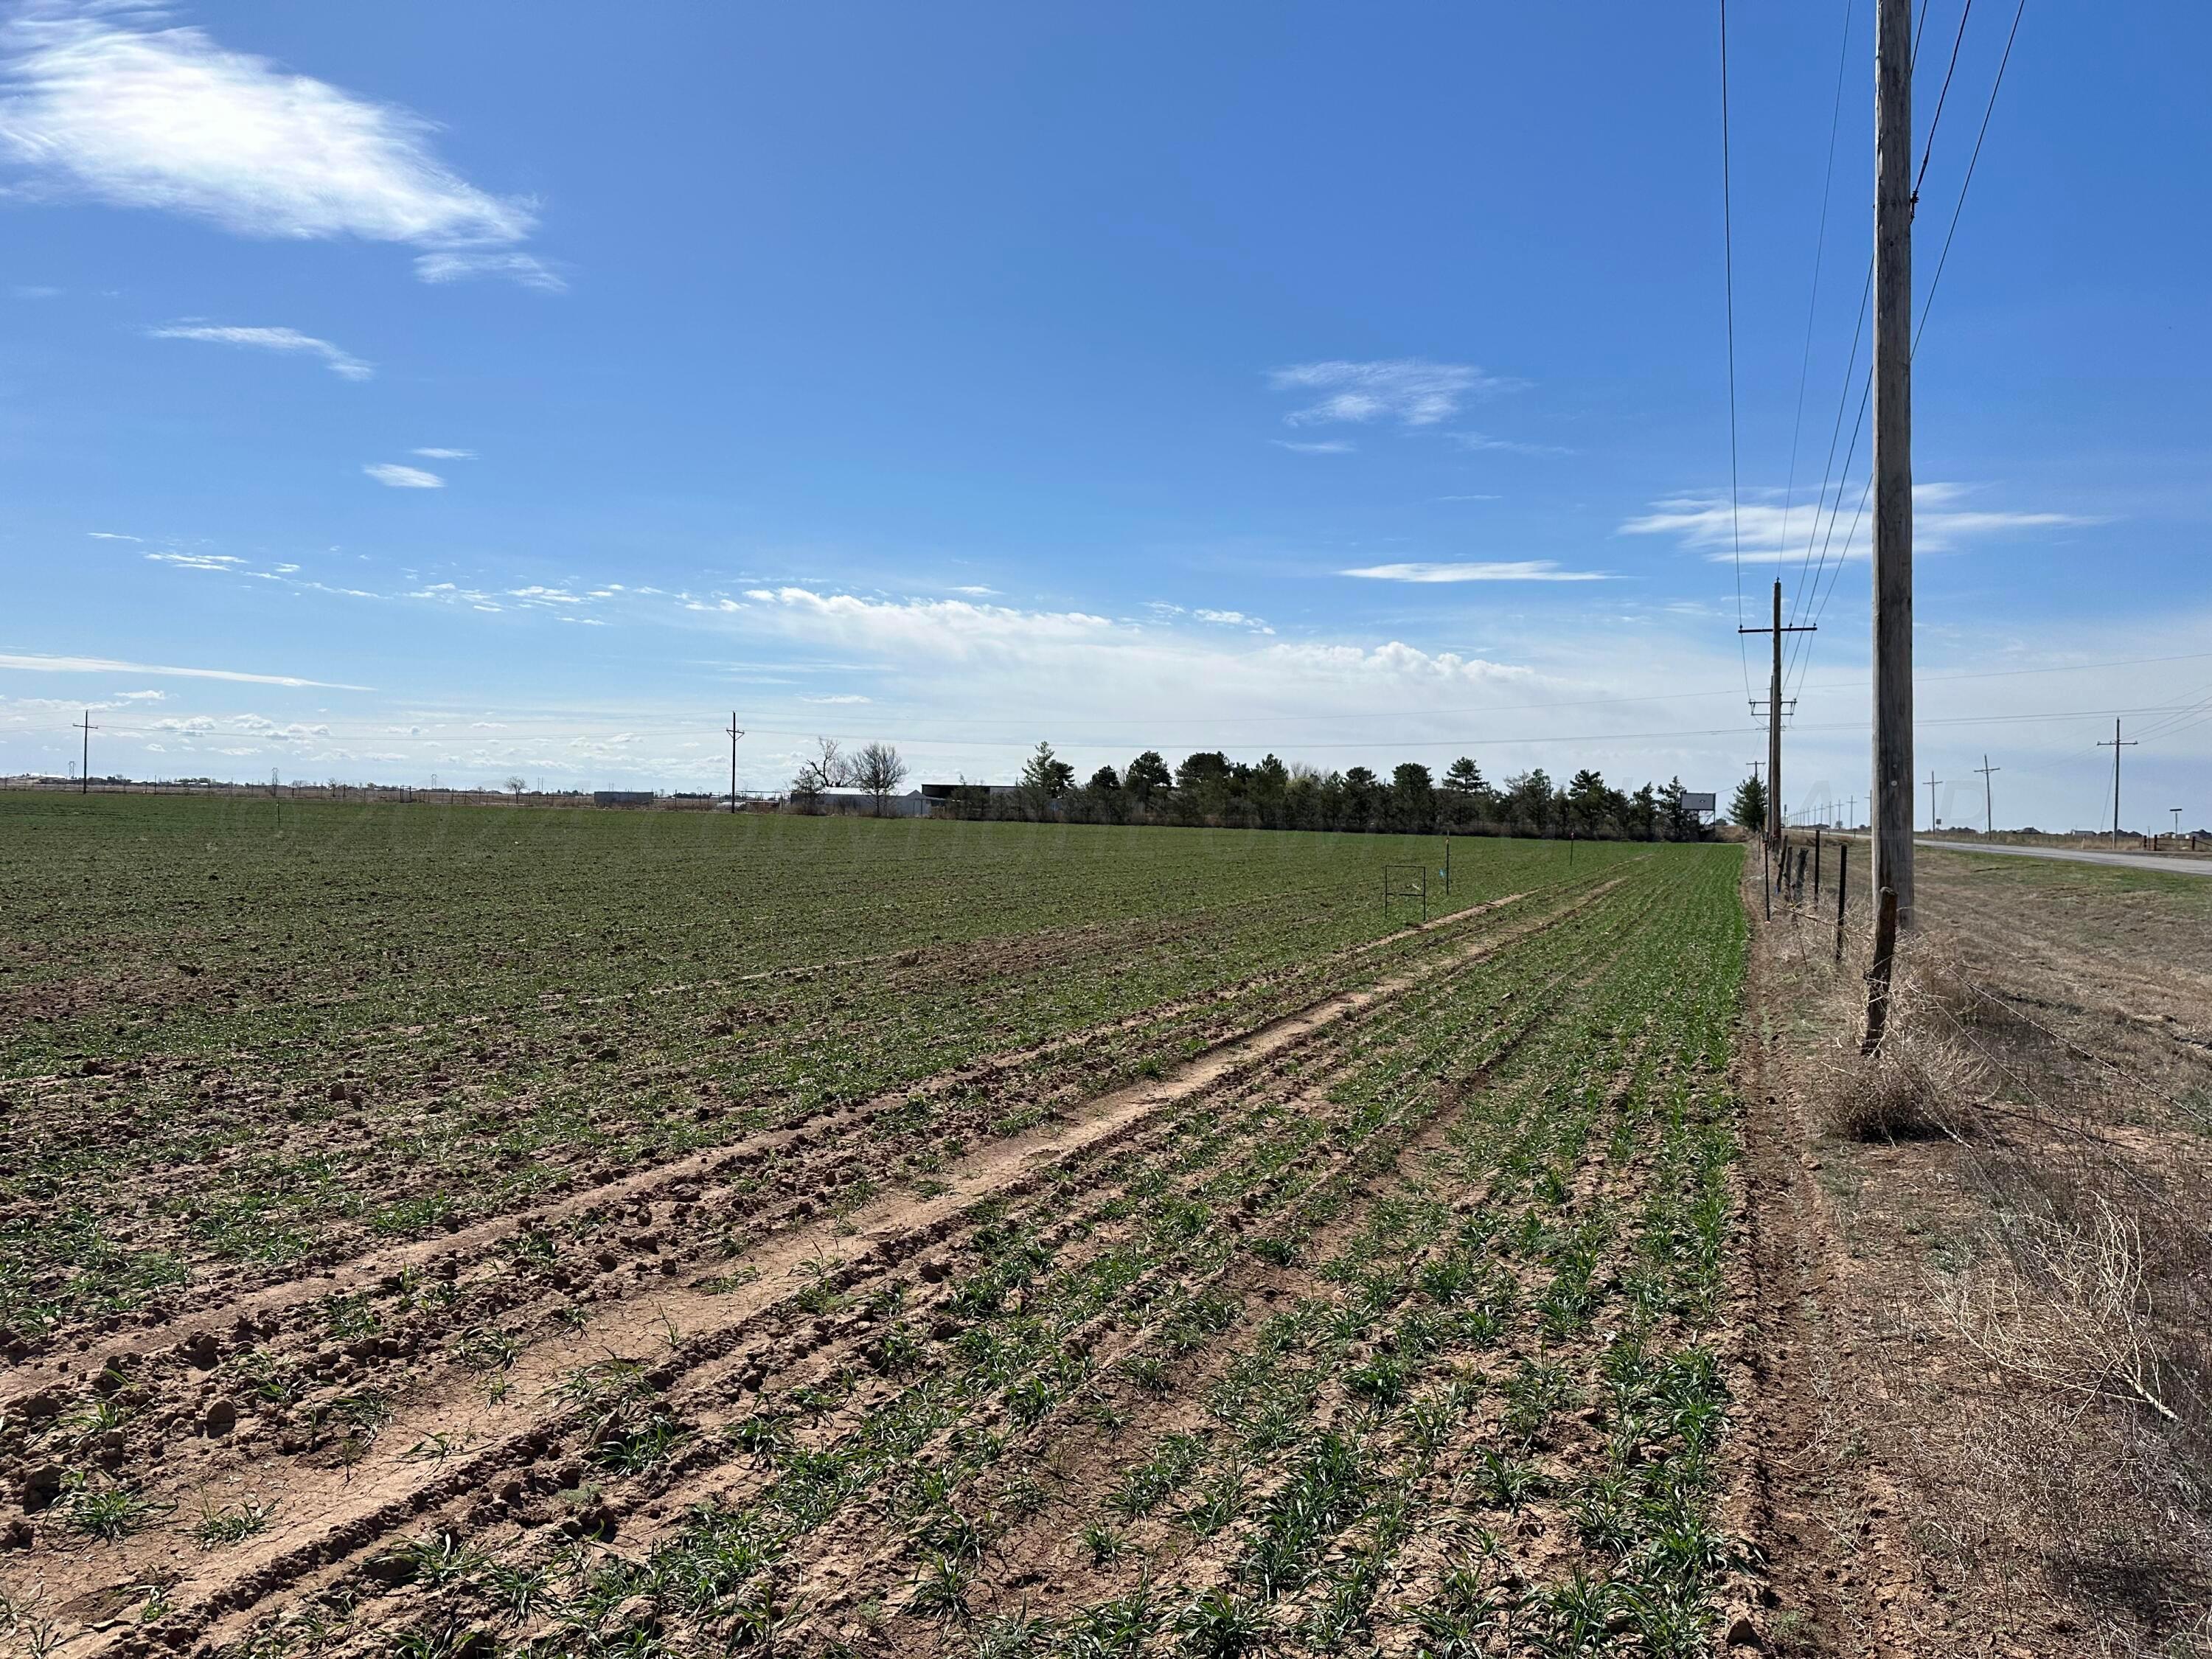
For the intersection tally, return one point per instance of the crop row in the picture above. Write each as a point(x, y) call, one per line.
point(1405, 1331)
point(117, 1192)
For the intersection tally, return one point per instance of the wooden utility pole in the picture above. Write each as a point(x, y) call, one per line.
point(84, 768)
point(2115, 745)
point(1934, 823)
point(1774, 714)
point(1890, 813)
point(1988, 816)
point(735, 732)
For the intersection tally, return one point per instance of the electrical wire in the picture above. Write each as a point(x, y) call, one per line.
point(1813, 304)
point(1988, 110)
point(1959, 208)
point(1928, 152)
point(1488, 741)
point(1728, 283)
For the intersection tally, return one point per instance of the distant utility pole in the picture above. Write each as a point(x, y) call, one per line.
point(84, 772)
point(1989, 819)
point(1934, 823)
point(735, 732)
point(1774, 714)
point(2176, 810)
point(1889, 812)
point(2115, 745)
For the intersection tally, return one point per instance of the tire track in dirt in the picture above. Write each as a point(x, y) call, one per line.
point(1822, 1509)
point(331, 1515)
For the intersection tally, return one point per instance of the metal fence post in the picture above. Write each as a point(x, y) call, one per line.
point(1843, 886)
point(1885, 953)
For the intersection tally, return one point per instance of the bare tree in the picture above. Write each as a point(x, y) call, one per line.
point(827, 769)
point(878, 769)
point(516, 784)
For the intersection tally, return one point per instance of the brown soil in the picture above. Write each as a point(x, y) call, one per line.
point(1911, 1494)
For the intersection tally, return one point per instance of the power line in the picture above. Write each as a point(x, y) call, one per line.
point(1813, 304)
point(1462, 741)
point(2189, 706)
point(1728, 283)
point(1927, 153)
point(1989, 109)
point(1958, 207)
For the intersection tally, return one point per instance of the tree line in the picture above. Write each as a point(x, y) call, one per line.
point(1210, 789)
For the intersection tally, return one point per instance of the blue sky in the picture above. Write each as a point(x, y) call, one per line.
point(489, 390)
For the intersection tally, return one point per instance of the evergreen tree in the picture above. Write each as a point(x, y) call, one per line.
point(1748, 809)
point(1147, 776)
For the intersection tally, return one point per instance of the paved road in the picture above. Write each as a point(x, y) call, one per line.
point(2167, 866)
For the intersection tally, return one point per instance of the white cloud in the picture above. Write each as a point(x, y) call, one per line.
point(395, 477)
point(1511, 570)
point(846, 697)
point(977, 590)
point(36, 291)
point(445, 454)
point(218, 561)
point(526, 269)
point(1470, 498)
point(1232, 619)
point(1326, 446)
point(164, 118)
point(1769, 533)
point(1409, 390)
point(112, 535)
point(1511, 446)
point(342, 363)
point(42, 664)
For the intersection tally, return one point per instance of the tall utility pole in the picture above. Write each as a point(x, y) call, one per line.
point(2115, 745)
point(1934, 823)
point(1889, 812)
point(1774, 716)
point(84, 771)
point(735, 733)
point(1989, 817)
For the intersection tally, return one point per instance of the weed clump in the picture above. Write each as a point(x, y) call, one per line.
point(1927, 1072)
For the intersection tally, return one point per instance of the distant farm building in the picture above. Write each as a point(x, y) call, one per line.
point(622, 796)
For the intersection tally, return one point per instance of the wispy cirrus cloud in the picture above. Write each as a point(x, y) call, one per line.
point(1486, 570)
point(527, 268)
point(445, 454)
point(1411, 391)
point(33, 663)
point(221, 562)
point(1483, 440)
point(393, 476)
point(340, 363)
point(1767, 531)
point(113, 103)
point(1325, 446)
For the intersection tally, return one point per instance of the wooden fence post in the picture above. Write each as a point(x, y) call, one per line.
point(1766, 878)
point(1885, 953)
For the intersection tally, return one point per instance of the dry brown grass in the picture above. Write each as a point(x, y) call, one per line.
point(2069, 1311)
point(2053, 1436)
point(1923, 1079)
